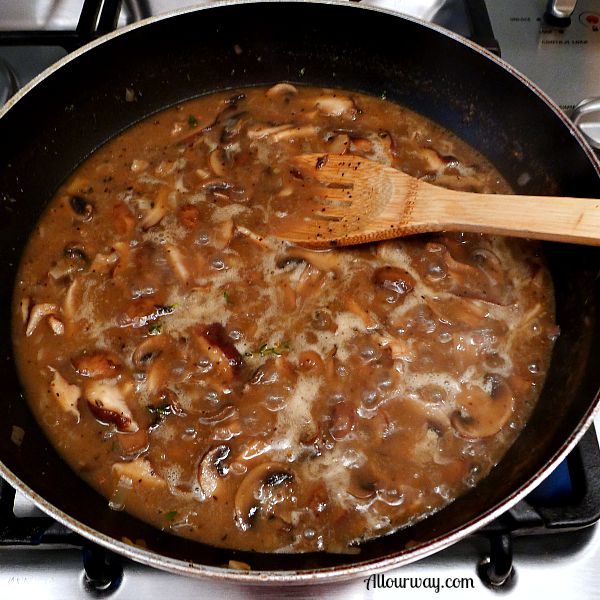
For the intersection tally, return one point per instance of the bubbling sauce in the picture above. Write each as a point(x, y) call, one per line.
point(226, 386)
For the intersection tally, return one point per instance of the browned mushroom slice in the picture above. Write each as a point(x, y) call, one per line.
point(97, 365)
point(459, 311)
point(256, 492)
point(64, 393)
point(37, 314)
point(83, 208)
point(480, 414)
point(212, 467)
point(133, 444)
point(215, 343)
point(148, 350)
point(107, 403)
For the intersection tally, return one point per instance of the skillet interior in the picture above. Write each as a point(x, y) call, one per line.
point(66, 116)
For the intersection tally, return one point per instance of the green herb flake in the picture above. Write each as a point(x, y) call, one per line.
point(301, 72)
point(277, 350)
point(227, 297)
point(384, 95)
point(192, 121)
point(170, 515)
point(161, 411)
point(155, 329)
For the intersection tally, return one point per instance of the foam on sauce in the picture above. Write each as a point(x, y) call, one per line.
point(242, 392)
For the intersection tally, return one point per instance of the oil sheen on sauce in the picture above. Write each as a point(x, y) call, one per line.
point(228, 387)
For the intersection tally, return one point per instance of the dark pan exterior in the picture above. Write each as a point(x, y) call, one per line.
point(75, 109)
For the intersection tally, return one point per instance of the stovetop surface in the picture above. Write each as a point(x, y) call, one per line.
point(566, 64)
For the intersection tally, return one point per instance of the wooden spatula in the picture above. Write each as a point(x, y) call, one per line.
point(357, 201)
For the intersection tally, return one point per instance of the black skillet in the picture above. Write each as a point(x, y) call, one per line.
point(78, 105)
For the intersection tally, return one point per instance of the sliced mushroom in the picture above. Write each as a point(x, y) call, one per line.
point(259, 132)
point(74, 260)
point(158, 209)
point(254, 491)
point(57, 326)
point(281, 90)
point(325, 260)
point(259, 240)
point(295, 133)
point(178, 263)
point(216, 344)
point(107, 403)
point(336, 106)
point(339, 144)
point(24, 306)
point(65, 394)
point(37, 314)
point(103, 263)
point(72, 300)
point(459, 311)
point(140, 471)
point(97, 365)
point(148, 350)
point(309, 283)
point(82, 207)
point(481, 414)
point(133, 444)
point(212, 467)
point(217, 161)
point(363, 314)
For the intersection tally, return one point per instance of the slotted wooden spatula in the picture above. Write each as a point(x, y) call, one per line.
point(357, 201)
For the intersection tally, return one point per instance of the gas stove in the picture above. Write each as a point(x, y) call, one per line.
point(547, 545)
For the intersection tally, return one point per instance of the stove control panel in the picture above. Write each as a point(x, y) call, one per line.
point(563, 59)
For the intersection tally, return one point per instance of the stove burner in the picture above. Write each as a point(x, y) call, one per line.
point(8, 82)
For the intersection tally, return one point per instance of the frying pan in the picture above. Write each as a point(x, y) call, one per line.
point(76, 106)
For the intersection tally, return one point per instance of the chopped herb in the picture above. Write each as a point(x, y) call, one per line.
point(170, 515)
point(192, 121)
point(227, 297)
point(301, 72)
point(266, 350)
point(155, 329)
point(164, 309)
point(161, 411)
point(383, 95)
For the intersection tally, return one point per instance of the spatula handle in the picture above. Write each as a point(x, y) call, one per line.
point(560, 219)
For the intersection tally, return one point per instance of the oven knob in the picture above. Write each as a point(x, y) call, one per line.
point(586, 116)
point(558, 12)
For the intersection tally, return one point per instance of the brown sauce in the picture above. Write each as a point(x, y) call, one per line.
point(225, 386)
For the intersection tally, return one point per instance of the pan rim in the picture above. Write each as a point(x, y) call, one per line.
point(328, 574)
